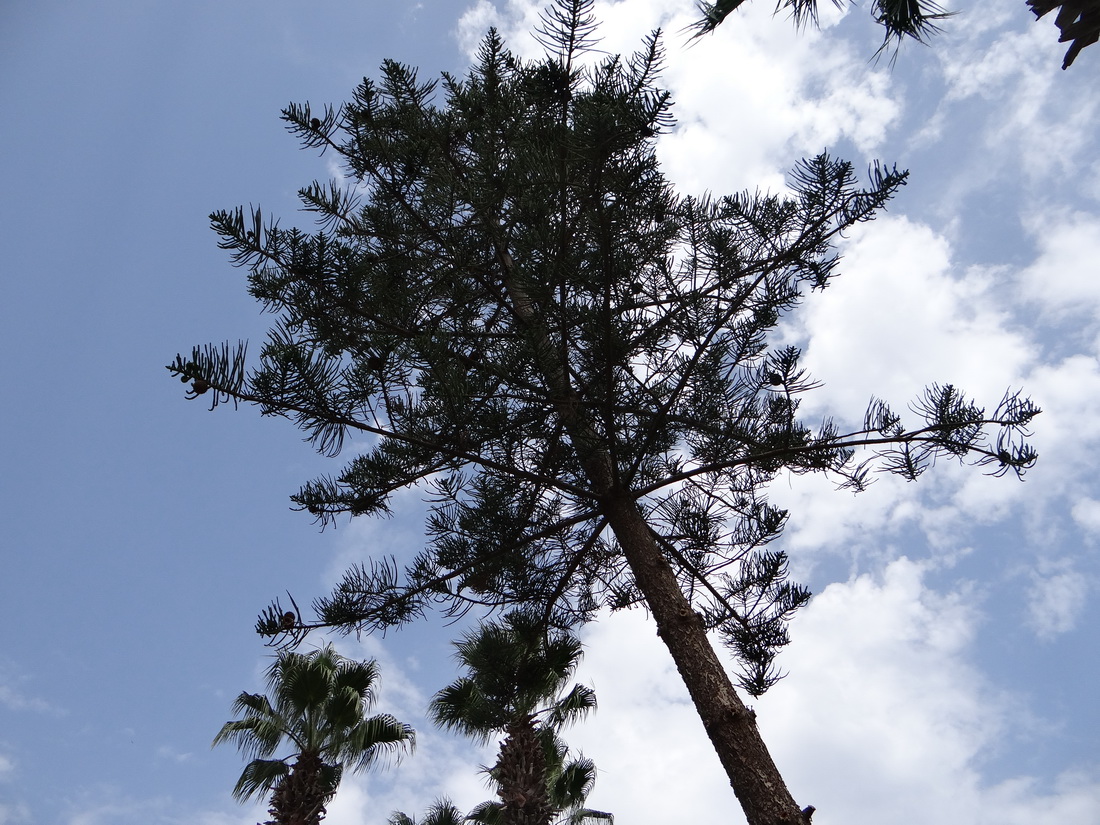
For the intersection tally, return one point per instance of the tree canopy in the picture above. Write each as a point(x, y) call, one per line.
point(317, 707)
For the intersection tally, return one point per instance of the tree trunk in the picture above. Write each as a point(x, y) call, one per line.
point(730, 725)
point(521, 776)
point(301, 796)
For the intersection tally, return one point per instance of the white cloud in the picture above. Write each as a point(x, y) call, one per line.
point(1086, 512)
point(14, 698)
point(108, 806)
point(1056, 597)
point(645, 731)
point(881, 715)
point(977, 66)
point(900, 316)
point(1063, 277)
point(883, 718)
point(1036, 119)
point(516, 21)
point(758, 95)
point(750, 100)
point(14, 814)
point(112, 809)
point(1068, 431)
point(171, 754)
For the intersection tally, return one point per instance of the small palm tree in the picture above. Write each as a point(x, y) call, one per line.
point(318, 705)
point(441, 812)
point(517, 671)
point(570, 784)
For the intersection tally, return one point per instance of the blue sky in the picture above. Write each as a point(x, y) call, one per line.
point(946, 671)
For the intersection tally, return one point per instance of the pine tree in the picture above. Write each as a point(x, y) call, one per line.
point(512, 309)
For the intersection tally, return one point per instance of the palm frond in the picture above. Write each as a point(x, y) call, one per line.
point(254, 736)
point(575, 782)
point(319, 702)
point(259, 777)
point(374, 738)
point(712, 15)
point(462, 707)
point(574, 706)
point(440, 812)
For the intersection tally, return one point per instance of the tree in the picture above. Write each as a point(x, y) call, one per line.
point(318, 704)
point(901, 19)
point(517, 314)
point(439, 813)
point(568, 786)
point(1077, 20)
point(516, 673)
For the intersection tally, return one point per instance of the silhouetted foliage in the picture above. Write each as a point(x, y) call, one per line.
point(1077, 21)
point(317, 706)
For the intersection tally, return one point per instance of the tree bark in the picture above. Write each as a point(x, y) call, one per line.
point(730, 725)
point(299, 799)
point(521, 776)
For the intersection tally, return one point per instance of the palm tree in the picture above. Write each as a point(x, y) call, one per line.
point(442, 812)
point(516, 672)
point(568, 786)
point(570, 783)
point(319, 704)
point(1077, 20)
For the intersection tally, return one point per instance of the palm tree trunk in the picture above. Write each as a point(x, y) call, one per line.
point(521, 775)
point(300, 798)
point(730, 725)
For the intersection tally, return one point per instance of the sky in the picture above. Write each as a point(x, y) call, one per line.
point(945, 671)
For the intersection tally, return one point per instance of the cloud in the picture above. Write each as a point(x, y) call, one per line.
point(757, 95)
point(12, 811)
point(441, 767)
point(14, 814)
point(1056, 597)
point(1068, 431)
point(171, 754)
point(108, 806)
point(1086, 512)
point(14, 698)
point(901, 315)
point(105, 806)
point(750, 100)
point(1025, 115)
point(516, 20)
point(882, 717)
point(1062, 278)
